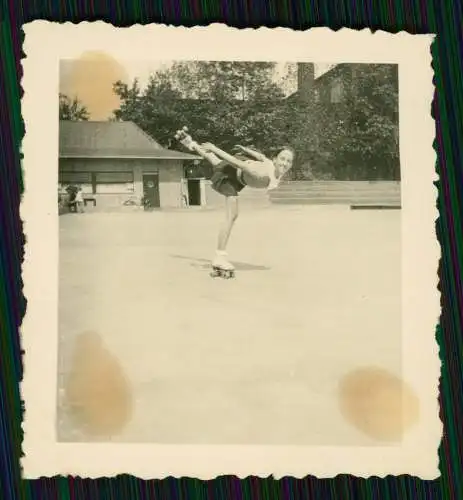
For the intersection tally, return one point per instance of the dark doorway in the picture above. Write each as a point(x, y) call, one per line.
point(194, 192)
point(151, 197)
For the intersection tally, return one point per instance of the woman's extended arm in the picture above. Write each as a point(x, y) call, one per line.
point(254, 168)
point(251, 152)
point(205, 153)
point(236, 162)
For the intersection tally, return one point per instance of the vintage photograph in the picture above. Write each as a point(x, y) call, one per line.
point(231, 260)
point(229, 249)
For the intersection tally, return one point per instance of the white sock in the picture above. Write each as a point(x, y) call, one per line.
point(221, 255)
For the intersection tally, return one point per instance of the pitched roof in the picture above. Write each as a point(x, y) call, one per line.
point(88, 139)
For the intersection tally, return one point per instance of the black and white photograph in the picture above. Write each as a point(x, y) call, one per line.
point(230, 251)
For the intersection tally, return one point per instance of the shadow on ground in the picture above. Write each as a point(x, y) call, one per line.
point(206, 263)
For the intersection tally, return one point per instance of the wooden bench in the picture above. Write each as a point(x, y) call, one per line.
point(90, 200)
point(372, 206)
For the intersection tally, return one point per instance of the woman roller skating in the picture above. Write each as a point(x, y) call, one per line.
point(231, 175)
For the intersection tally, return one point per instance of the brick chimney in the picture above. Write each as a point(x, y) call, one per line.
point(305, 80)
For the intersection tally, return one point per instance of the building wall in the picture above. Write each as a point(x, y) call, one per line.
point(170, 176)
point(114, 195)
point(305, 80)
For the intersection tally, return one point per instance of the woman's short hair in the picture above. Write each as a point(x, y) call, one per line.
point(276, 151)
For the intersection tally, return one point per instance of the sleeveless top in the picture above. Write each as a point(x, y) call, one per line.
point(268, 170)
point(274, 181)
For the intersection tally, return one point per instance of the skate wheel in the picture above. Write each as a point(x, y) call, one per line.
point(222, 273)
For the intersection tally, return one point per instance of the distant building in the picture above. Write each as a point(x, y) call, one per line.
point(329, 88)
point(116, 163)
point(334, 86)
point(334, 92)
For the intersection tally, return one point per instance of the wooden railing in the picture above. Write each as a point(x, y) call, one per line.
point(337, 193)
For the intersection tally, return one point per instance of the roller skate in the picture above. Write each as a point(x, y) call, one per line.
point(221, 268)
point(184, 138)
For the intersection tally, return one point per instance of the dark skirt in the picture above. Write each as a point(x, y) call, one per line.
point(225, 180)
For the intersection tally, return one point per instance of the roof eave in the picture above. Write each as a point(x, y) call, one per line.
point(125, 157)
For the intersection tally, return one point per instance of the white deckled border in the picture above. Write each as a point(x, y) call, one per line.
point(45, 44)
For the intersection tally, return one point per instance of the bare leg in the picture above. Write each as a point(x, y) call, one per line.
point(192, 145)
point(213, 159)
point(231, 213)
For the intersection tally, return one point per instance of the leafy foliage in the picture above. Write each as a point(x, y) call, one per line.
point(362, 131)
point(72, 110)
point(223, 102)
point(231, 103)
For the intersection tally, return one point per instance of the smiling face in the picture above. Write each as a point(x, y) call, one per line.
point(283, 161)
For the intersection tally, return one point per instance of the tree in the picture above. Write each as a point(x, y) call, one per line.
point(224, 102)
point(221, 80)
point(363, 130)
point(72, 110)
point(231, 103)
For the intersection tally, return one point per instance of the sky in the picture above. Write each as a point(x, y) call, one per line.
point(90, 77)
point(143, 69)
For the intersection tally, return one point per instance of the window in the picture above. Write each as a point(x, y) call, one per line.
point(82, 179)
point(113, 182)
point(75, 178)
point(336, 92)
point(99, 182)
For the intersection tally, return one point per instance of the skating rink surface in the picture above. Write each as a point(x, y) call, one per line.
point(253, 360)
